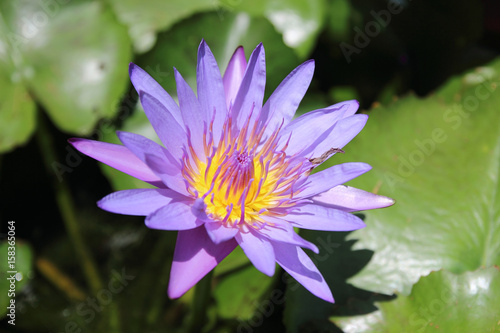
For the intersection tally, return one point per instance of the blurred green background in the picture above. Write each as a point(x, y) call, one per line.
point(427, 72)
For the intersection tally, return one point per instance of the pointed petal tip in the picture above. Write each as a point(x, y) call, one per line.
point(314, 248)
point(73, 141)
point(308, 66)
point(203, 47)
point(269, 273)
point(358, 225)
point(176, 292)
point(310, 62)
point(78, 143)
point(84, 146)
point(351, 104)
point(259, 48)
point(363, 167)
point(239, 54)
point(132, 68)
point(329, 298)
point(99, 203)
point(386, 201)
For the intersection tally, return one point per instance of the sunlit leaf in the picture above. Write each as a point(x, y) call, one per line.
point(298, 21)
point(442, 302)
point(439, 157)
point(17, 112)
point(239, 294)
point(146, 18)
point(73, 56)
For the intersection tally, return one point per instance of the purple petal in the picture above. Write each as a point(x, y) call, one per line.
point(171, 134)
point(210, 89)
point(282, 231)
point(248, 101)
point(118, 157)
point(317, 217)
point(219, 233)
point(315, 128)
point(174, 216)
point(283, 103)
point(296, 263)
point(159, 160)
point(143, 82)
point(191, 114)
point(234, 75)
point(343, 132)
point(195, 255)
point(259, 250)
point(137, 202)
point(351, 199)
point(324, 180)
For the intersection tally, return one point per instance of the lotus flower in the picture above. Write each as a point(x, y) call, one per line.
point(234, 171)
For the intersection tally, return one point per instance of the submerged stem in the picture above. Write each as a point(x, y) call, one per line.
point(66, 207)
point(200, 304)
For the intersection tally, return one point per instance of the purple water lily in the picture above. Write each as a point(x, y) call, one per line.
point(233, 171)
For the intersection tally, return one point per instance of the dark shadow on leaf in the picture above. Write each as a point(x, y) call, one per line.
point(337, 261)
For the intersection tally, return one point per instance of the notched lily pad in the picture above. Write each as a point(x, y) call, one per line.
point(439, 157)
point(441, 301)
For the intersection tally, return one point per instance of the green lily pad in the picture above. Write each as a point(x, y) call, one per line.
point(178, 47)
point(441, 301)
point(300, 22)
point(146, 18)
point(339, 19)
point(439, 157)
point(17, 113)
point(16, 269)
point(239, 294)
point(73, 56)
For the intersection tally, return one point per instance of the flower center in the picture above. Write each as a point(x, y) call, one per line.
point(244, 177)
